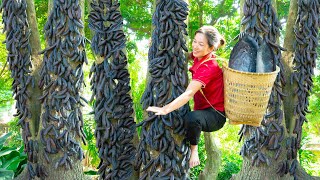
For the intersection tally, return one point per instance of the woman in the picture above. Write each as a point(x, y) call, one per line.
point(207, 78)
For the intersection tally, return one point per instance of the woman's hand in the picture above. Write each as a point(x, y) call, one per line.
point(157, 110)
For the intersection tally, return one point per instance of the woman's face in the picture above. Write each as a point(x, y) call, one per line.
point(200, 46)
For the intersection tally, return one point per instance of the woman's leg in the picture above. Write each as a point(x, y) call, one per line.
point(200, 120)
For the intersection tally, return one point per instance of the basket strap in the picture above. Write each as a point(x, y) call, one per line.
point(211, 105)
point(209, 59)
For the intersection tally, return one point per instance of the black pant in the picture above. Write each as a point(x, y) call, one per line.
point(207, 120)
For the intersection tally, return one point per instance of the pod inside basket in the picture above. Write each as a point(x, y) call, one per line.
point(246, 95)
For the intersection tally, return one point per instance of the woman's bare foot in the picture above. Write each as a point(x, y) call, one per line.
point(194, 159)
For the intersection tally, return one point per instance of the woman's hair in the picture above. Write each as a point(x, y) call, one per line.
point(215, 39)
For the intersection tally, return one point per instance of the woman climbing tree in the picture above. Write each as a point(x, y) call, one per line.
point(206, 87)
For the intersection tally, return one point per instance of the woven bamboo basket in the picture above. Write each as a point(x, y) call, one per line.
point(246, 95)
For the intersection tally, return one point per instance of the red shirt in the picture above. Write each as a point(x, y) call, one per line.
point(210, 75)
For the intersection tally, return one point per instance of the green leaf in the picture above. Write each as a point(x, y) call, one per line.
point(7, 151)
point(6, 174)
point(12, 164)
point(91, 172)
point(3, 138)
point(13, 154)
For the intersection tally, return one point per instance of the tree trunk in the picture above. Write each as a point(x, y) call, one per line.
point(287, 60)
point(50, 5)
point(213, 161)
point(282, 157)
point(52, 169)
point(115, 126)
point(290, 101)
point(161, 152)
point(34, 104)
point(54, 174)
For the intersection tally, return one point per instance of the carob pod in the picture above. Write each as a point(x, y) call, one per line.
point(158, 154)
point(61, 82)
point(17, 31)
point(110, 83)
point(261, 23)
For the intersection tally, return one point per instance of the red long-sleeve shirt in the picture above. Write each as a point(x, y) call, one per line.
point(210, 75)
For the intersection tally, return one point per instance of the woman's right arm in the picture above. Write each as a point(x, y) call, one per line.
point(192, 88)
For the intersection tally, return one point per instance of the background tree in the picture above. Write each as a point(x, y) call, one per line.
point(53, 126)
point(115, 126)
point(271, 150)
point(161, 152)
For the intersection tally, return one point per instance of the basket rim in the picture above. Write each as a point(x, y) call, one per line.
point(225, 66)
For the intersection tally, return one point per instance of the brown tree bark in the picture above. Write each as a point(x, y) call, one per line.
point(211, 169)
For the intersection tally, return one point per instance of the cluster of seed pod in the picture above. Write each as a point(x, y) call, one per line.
point(159, 155)
point(61, 82)
point(260, 21)
point(306, 36)
point(19, 58)
point(115, 126)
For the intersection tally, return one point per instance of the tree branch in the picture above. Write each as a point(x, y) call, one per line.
point(4, 67)
point(222, 12)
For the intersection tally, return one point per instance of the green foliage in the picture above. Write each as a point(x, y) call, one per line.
point(283, 8)
point(231, 161)
point(312, 126)
point(90, 149)
point(5, 79)
point(133, 10)
point(15, 139)
point(231, 164)
point(41, 7)
point(209, 13)
point(5, 95)
point(12, 159)
point(229, 28)
point(306, 157)
point(91, 173)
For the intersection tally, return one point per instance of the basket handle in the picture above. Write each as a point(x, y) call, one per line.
point(211, 105)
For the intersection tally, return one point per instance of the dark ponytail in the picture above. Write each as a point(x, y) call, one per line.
point(215, 39)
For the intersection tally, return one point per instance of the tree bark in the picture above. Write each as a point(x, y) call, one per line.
point(263, 172)
point(50, 5)
point(213, 161)
point(287, 60)
point(34, 104)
